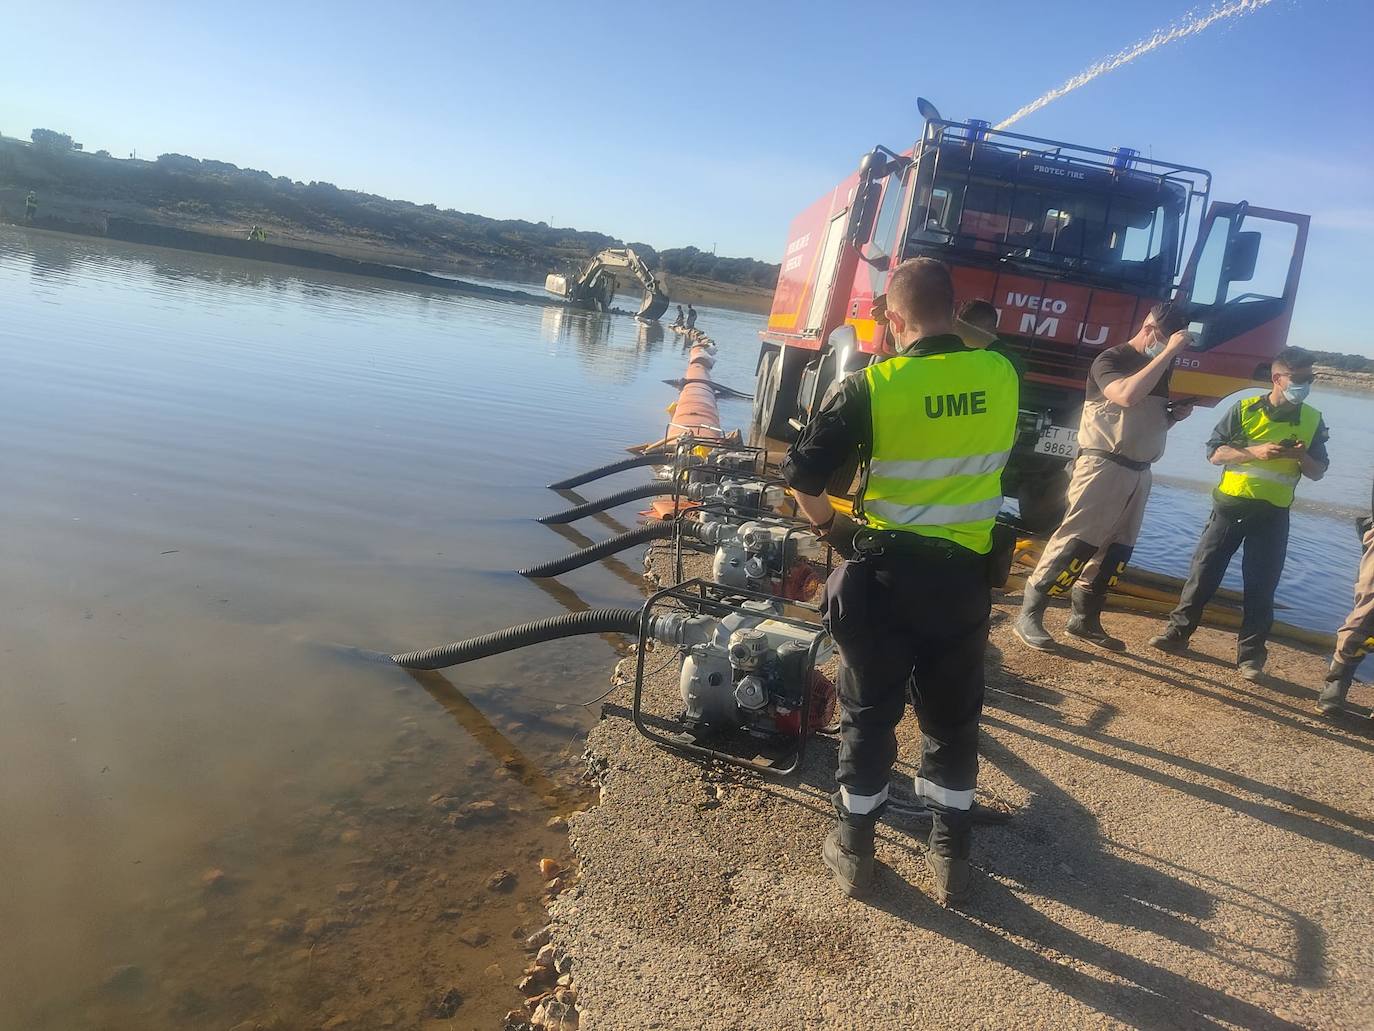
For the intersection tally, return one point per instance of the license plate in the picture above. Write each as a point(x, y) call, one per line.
point(1060, 441)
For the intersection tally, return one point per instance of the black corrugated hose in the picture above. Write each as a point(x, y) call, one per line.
point(570, 624)
point(633, 462)
point(658, 530)
point(658, 488)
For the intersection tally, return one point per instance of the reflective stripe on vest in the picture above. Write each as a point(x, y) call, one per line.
point(1258, 470)
point(939, 468)
point(1273, 480)
point(943, 428)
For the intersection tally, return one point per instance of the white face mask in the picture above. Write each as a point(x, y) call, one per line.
point(1155, 347)
point(1296, 393)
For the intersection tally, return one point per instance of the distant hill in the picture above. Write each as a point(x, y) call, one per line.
point(82, 189)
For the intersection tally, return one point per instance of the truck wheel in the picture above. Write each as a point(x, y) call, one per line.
point(1043, 500)
point(771, 412)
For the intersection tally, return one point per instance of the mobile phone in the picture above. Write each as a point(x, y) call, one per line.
point(1289, 442)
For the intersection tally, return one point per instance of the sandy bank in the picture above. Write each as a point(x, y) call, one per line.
point(1343, 378)
point(1188, 850)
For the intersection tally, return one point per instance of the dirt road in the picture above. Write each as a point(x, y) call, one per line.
point(1188, 850)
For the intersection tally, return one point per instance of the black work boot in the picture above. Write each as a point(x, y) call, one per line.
point(1030, 626)
point(947, 857)
point(1173, 641)
point(848, 852)
point(1338, 679)
point(1086, 621)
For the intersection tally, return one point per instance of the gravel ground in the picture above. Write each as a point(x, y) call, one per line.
point(1187, 850)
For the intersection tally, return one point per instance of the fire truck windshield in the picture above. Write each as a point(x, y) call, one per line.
point(1083, 224)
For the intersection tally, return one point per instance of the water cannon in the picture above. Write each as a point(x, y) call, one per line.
point(1124, 157)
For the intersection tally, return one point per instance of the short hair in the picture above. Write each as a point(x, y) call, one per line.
point(921, 289)
point(1294, 358)
point(1169, 317)
point(980, 313)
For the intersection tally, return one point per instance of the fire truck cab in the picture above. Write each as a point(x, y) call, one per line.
point(1072, 245)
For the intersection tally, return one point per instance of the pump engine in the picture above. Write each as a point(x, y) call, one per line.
point(751, 671)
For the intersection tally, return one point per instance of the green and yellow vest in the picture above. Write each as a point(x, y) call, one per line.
point(943, 428)
point(1273, 481)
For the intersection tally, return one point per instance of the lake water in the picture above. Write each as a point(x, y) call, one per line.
point(221, 479)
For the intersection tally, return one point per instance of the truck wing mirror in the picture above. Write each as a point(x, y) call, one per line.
point(1241, 256)
point(865, 212)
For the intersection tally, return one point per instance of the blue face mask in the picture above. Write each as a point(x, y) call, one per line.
point(1296, 393)
point(1154, 350)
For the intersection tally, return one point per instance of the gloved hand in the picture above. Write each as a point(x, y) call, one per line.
point(839, 533)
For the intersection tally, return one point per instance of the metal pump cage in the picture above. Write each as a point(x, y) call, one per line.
point(795, 525)
point(702, 597)
point(705, 474)
point(1017, 162)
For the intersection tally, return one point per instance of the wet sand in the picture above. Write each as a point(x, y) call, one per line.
point(1187, 850)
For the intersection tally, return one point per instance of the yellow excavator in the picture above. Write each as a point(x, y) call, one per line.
point(592, 287)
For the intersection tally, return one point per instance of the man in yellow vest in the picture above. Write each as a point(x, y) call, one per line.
point(933, 428)
point(1266, 444)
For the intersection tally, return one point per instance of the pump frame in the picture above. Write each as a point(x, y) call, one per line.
point(795, 525)
point(702, 597)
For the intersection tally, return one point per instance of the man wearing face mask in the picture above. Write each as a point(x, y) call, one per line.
point(1266, 444)
point(1126, 416)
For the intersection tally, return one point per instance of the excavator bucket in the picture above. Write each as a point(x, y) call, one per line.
point(655, 304)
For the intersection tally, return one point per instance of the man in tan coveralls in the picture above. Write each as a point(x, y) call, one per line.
point(1355, 639)
point(1126, 416)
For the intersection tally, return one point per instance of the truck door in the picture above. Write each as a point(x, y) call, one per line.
point(1242, 279)
point(825, 272)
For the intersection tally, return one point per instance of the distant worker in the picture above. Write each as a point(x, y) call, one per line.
point(909, 610)
point(677, 322)
point(977, 325)
point(1122, 432)
point(981, 315)
point(1266, 444)
point(30, 206)
point(1355, 639)
point(691, 317)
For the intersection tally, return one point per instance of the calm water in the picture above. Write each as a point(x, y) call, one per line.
point(220, 479)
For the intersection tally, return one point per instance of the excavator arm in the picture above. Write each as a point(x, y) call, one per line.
point(594, 284)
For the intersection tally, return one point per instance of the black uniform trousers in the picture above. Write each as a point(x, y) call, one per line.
point(1263, 529)
point(911, 625)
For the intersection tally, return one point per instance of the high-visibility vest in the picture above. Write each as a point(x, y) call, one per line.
point(1274, 480)
point(943, 428)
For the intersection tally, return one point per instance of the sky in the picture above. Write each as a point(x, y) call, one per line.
point(711, 123)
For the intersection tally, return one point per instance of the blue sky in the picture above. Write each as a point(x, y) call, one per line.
point(709, 123)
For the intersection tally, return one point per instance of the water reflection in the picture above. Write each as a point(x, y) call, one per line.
point(224, 465)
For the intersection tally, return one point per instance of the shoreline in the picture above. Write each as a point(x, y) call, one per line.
point(1354, 382)
point(341, 256)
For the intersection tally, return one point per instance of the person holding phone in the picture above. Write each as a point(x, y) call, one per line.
point(1126, 419)
point(1266, 445)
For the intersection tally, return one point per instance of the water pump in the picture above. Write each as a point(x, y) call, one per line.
point(745, 666)
point(778, 555)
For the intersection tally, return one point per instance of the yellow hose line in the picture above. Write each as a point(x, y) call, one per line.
point(1213, 616)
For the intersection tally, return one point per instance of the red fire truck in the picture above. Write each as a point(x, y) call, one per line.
point(1070, 244)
